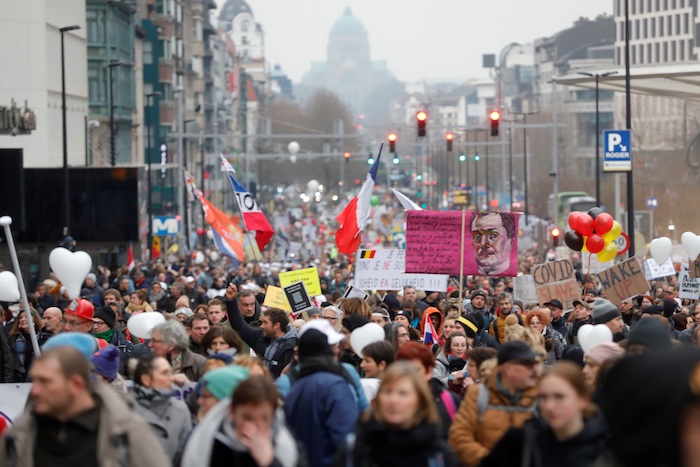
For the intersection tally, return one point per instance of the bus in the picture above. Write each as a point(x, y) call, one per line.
point(571, 201)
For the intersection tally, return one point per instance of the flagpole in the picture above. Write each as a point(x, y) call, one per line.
point(461, 264)
point(246, 232)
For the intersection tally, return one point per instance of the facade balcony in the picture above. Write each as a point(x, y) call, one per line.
point(165, 70)
point(198, 85)
point(165, 27)
point(166, 113)
point(197, 48)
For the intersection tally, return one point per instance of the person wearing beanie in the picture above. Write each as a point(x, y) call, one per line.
point(105, 364)
point(595, 357)
point(392, 302)
point(477, 304)
point(218, 384)
point(648, 335)
point(317, 408)
point(104, 327)
point(83, 343)
point(604, 312)
point(347, 354)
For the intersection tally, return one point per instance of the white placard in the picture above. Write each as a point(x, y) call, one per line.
point(652, 270)
point(524, 289)
point(689, 288)
point(384, 270)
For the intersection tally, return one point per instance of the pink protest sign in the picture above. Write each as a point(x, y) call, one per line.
point(490, 243)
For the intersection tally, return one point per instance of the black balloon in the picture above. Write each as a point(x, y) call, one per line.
point(594, 212)
point(574, 240)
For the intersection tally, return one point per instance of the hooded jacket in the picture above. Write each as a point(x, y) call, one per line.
point(123, 439)
point(215, 428)
point(428, 312)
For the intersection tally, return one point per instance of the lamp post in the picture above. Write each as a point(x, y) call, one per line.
point(149, 156)
point(525, 178)
point(597, 77)
point(628, 120)
point(112, 143)
point(66, 190)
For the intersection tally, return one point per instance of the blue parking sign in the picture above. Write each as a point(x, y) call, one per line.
point(618, 151)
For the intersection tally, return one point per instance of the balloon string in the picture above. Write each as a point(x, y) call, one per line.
point(588, 274)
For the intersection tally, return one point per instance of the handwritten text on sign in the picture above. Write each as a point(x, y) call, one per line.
point(383, 270)
point(623, 281)
point(490, 242)
point(689, 286)
point(308, 276)
point(556, 280)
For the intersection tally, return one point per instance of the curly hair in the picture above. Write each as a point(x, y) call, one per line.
point(543, 317)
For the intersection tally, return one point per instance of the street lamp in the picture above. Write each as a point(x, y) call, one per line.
point(597, 77)
point(149, 156)
point(525, 178)
point(66, 191)
point(112, 144)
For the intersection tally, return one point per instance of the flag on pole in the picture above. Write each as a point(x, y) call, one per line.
point(430, 336)
point(191, 187)
point(130, 258)
point(407, 204)
point(355, 217)
point(253, 217)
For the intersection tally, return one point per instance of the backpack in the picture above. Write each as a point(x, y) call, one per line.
point(482, 405)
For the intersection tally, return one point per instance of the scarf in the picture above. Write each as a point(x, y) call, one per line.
point(155, 400)
point(106, 335)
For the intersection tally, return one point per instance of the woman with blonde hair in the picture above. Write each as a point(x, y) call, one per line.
point(138, 303)
point(401, 428)
point(355, 306)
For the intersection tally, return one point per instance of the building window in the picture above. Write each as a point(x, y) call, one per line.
point(650, 58)
point(244, 40)
point(167, 49)
point(636, 29)
point(657, 5)
point(634, 7)
point(678, 24)
point(633, 57)
point(665, 52)
point(147, 52)
point(669, 25)
point(681, 51)
point(673, 51)
point(653, 27)
point(93, 28)
point(661, 26)
point(244, 26)
point(645, 32)
point(657, 54)
point(673, 4)
point(94, 86)
point(686, 23)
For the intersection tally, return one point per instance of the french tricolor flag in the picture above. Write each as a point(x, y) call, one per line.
point(253, 217)
point(430, 336)
point(355, 216)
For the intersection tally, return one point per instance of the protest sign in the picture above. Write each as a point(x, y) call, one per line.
point(624, 280)
point(652, 270)
point(309, 276)
point(354, 292)
point(384, 270)
point(688, 287)
point(556, 280)
point(591, 265)
point(433, 243)
point(13, 397)
point(694, 268)
point(524, 289)
point(298, 298)
point(275, 298)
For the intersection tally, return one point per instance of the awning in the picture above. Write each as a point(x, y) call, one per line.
point(679, 81)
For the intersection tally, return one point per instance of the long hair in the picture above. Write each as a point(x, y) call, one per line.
point(573, 375)
point(355, 306)
point(426, 405)
point(38, 322)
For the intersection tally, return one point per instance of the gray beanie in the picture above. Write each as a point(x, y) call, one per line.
point(604, 311)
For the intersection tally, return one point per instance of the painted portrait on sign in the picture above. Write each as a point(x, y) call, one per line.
point(494, 241)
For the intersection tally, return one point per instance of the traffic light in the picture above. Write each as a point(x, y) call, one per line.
point(420, 194)
point(462, 157)
point(555, 236)
point(396, 160)
point(495, 117)
point(370, 160)
point(422, 119)
point(163, 160)
point(392, 142)
point(347, 156)
point(449, 136)
point(477, 157)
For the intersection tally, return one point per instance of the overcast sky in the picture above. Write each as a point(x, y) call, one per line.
point(419, 39)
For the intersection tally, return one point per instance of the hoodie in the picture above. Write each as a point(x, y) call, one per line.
point(431, 311)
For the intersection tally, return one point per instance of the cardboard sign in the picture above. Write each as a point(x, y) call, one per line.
point(433, 241)
point(556, 280)
point(694, 268)
point(624, 280)
point(354, 292)
point(384, 270)
point(652, 270)
point(275, 298)
point(298, 298)
point(689, 287)
point(591, 265)
point(308, 276)
point(524, 289)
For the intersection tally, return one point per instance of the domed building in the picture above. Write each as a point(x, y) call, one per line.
point(348, 70)
point(237, 20)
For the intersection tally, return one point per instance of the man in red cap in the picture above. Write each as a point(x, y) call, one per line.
point(78, 316)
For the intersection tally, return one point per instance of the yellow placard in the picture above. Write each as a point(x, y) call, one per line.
point(275, 297)
point(308, 276)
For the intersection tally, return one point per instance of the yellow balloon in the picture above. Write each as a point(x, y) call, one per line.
point(584, 249)
point(608, 253)
point(613, 233)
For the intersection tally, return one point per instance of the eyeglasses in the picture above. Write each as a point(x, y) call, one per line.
point(97, 324)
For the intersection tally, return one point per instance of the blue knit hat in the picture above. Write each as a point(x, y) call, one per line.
point(83, 343)
point(223, 381)
point(106, 362)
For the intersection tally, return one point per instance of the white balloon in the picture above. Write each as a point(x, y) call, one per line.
point(71, 268)
point(365, 335)
point(293, 147)
point(142, 324)
point(593, 335)
point(214, 256)
point(199, 258)
point(293, 159)
point(691, 243)
point(312, 185)
point(9, 288)
point(660, 249)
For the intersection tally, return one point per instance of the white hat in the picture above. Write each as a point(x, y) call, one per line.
point(325, 327)
point(50, 283)
point(189, 279)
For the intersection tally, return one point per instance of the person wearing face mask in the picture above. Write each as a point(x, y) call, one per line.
point(169, 417)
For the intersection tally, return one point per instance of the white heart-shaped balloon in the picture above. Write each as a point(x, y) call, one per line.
point(660, 249)
point(584, 331)
point(691, 243)
point(365, 335)
point(71, 268)
point(597, 334)
point(9, 288)
point(142, 324)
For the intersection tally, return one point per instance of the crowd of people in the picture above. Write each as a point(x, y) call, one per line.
point(473, 379)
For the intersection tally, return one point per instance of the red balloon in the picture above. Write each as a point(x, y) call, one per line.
point(595, 243)
point(573, 219)
point(603, 223)
point(585, 225)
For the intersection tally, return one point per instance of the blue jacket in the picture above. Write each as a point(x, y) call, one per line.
point(320, 411)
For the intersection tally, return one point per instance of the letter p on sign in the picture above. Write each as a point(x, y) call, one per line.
point(614, 139)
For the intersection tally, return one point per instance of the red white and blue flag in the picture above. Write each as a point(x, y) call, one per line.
point(253, 217)
point(355, 216)
point(430, 336)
